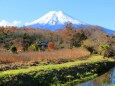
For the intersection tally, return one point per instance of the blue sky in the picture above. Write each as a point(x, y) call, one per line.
point(95, 12)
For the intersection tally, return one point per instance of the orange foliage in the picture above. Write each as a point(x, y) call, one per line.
point(10, 28)
point(50, 45)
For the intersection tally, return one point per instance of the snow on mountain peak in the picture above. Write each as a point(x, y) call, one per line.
point(55, 18)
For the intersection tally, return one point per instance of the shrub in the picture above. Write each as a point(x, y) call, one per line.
point(103, 48)
point(13, 49)
point(109, 53)
point(32, 47)
point(42, 48)
point(50, 45)
point(90, 49)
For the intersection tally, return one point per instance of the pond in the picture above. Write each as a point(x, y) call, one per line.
point(107, 79)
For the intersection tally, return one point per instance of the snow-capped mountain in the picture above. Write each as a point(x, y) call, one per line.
point(54, 20)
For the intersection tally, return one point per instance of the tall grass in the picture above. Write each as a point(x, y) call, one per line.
point(7, 57)
point(53, 55)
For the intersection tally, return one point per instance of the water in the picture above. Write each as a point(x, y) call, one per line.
point(107, 79)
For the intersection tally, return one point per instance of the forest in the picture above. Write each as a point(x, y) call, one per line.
point(92, 38)
point(22, 44)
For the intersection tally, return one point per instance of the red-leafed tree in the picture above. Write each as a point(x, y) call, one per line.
point(50, 45)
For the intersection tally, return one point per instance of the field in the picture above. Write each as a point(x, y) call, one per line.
point(62, 67)
point(53, 55)
point(56, 74)
point(25, 59)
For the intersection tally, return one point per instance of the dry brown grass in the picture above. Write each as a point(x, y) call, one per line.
point(6, 57)
point(53, 55)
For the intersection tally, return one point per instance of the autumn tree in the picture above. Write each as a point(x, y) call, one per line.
point(95, 38)
point(50, 45)
point(67, 35)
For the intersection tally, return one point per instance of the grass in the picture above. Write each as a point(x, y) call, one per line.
point(93, 59)
point(56, 74)
point(53, 55)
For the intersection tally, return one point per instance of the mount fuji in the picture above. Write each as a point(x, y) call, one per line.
point(54, 21)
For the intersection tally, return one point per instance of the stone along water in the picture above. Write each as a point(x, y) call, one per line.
point(107, 79)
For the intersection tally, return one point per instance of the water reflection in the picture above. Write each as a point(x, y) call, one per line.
point(107, 79)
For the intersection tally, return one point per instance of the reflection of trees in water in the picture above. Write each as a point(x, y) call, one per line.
point(103, 80)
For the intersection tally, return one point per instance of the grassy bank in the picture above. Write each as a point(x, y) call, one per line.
point(57, 74)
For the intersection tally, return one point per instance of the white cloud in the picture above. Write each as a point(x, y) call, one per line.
point(6, 23)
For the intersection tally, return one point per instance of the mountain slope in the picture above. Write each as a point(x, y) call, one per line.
point(108, 31)
point(54, 20)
